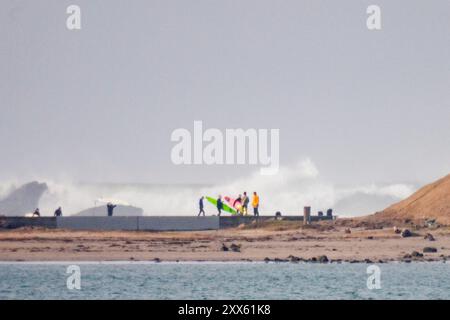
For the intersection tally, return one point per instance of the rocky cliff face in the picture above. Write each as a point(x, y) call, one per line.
point(22, 200)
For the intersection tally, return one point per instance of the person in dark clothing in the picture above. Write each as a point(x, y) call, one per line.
point(219, 205)
point(36, 213)
point(58, 212)
point(245, 202)
point(110, 208)
point(200, 205)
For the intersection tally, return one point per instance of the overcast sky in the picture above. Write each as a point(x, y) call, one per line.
point(99, 104)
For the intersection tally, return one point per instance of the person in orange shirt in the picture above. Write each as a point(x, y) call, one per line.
point(255, 204)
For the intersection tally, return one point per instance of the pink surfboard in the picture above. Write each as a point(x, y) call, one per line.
point(231, 201)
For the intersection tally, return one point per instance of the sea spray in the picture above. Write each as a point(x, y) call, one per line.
point(288, 191)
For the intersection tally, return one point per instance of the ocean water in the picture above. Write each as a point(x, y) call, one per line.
point(223, 281)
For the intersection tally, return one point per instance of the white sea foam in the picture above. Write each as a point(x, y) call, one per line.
point(288, 191)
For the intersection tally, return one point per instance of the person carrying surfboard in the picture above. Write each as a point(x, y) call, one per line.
point(200, 205)
point(255, 204)
point(237, 204)
point(219, 205)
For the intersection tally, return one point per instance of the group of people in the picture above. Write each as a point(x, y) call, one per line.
point(240, 204)
point(58, 212)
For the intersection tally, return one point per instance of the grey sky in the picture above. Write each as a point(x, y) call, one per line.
point(100, 104)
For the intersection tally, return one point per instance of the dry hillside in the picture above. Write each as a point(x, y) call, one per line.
point(430, 202)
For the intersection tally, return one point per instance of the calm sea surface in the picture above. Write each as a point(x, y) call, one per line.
point(223, 281)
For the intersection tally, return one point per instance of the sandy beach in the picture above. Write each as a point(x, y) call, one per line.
point(278, 242)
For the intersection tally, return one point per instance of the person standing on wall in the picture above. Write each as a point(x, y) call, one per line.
point(219, 205)
point(58, 212)
point(255, 204)
point(237, 204)
point(110, 207)
point(201, 207)
point(245, 201)
point(36, 213)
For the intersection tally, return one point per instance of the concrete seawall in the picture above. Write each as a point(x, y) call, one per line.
point(178, 223)
point(97, 223)
point(140, 223)
point(234, 221)
point(20, 222)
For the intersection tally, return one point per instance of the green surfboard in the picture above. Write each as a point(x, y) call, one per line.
point(225, 208)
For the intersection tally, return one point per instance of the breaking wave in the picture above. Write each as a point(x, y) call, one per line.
point(288, 192)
